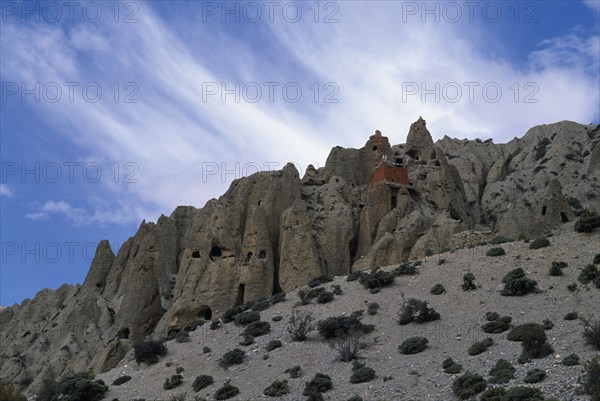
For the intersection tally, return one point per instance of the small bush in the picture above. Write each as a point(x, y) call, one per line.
point(318, 384)
point(337, 326)
point(348, 344)
point(183, 337)
point(257, 329)
point(279, 297)
point(417, 311)
point(547, 324)
point(571, 360)
point(533, 340)
point(79, 387)
point(307, 295)
point(535, 376)
point(226, 392)
point(317, 281)
point(469, 282)
point(468, 385)
point(497, 326)
point(273, 344)
point(8, 393)
point(406, 269)
point(372, 308)
point(362, 375)
point(491, 316)
point(148, 351)
point(493, 394)
point(377, 279)
point(437, 289)
point(591, 378)
point(572, 287)
point(591, 332)
point(173, 382)
point(588, 273)
point(498, 251)
point(325, 297)
point(300, 325)
point(294, 372)
point(502, 372)
point(245, 318)
point(215, 325)
point(480, 346)
point(201, 382)
point(337, 290)
point(596, 260)
point(234, 357)
point(355, 398)
point(540, 242)
point(230, 314)
point(413, 345)
point(587, 222)
point(261, 305)
point(206, 350)
point(523, 393)
point(451, 367)
point(118, 381)
point(499, 240)
point(571, 316)
point(277, 389)
point(247, 340)
point(517, 284)
point(357, 275)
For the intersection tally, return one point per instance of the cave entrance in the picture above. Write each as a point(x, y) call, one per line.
point(205, 313)
point(240, 295)
point(564, 217)
point(544, 211)
point(394, 198)
point(215, 252)
point(196, 254)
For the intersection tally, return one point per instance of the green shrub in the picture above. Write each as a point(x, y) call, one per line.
point(206, 350)
point(518, 332)
point(8, 393)
point(591, 378)
point(497, 251)
point(468, 385)
point(300, 325)
point(547, 324)
point(591, 332)
point(318, 384)
point(227, 391)
point(499, 240)
point(173, 382)
point(257, 329)
point(294, 372)
point(588, 273)
point(480, 346)
point(491, 316)
point(451, 367)
point(355, 398)
point(357, 275)
point(502, 372)
point(279, 297)
point(596, 260)
point(247, 340)
point(79, 387)
point(325, 297)
point(201, 382)
point(572, 287)
point(377, 279)
point(148, 351)
point(230, 314)
point(417, 311)
point(535, 376)
point(307, 295)
point(245, 318)
point(469, 282)
point(533, 340)
point(437, 289)
point(497, 326)
point(317, 281)
point(571, 316)
point(406, 269)
point(523, 394)
point(540, 242)
point(348, 344)
point(234, 357)
point(557, 268)
point(277, 389)
point(336, 326)
point(571, 360)
point(273, 344)
point(183, 337)
point(413, 345)
point(517, 284)
point(215, 324)
point(337, 290)
point(493, 394)
point(587, 222)
point(261, 305)
point(372, 308)
point(118, 381)
point(362, 375)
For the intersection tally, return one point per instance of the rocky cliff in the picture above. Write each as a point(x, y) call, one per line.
point(273, 231)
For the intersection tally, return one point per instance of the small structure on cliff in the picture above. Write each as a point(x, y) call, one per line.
point(393, 173)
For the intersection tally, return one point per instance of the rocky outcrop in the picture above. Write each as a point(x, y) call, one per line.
point(273, 231)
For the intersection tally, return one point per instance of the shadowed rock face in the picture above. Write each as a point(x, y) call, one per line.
point(274, 231)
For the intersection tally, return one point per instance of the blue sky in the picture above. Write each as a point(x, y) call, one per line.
point(115, 112)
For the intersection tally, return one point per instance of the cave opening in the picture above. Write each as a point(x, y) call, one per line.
point(544, 211)
point(205, 313)
point(564, 217)
point(240, 295)
point(196, 254)
point(215, 252)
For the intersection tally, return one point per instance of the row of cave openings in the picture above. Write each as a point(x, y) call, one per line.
point(217, 252)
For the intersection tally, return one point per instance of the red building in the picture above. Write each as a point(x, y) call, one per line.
point(392, 174)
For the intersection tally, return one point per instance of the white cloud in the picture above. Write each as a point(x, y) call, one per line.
point(595, 4)
point(171, 133)
point(5, 190)
point(101, 213)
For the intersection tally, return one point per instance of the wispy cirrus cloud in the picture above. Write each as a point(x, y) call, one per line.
point(5, 190)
